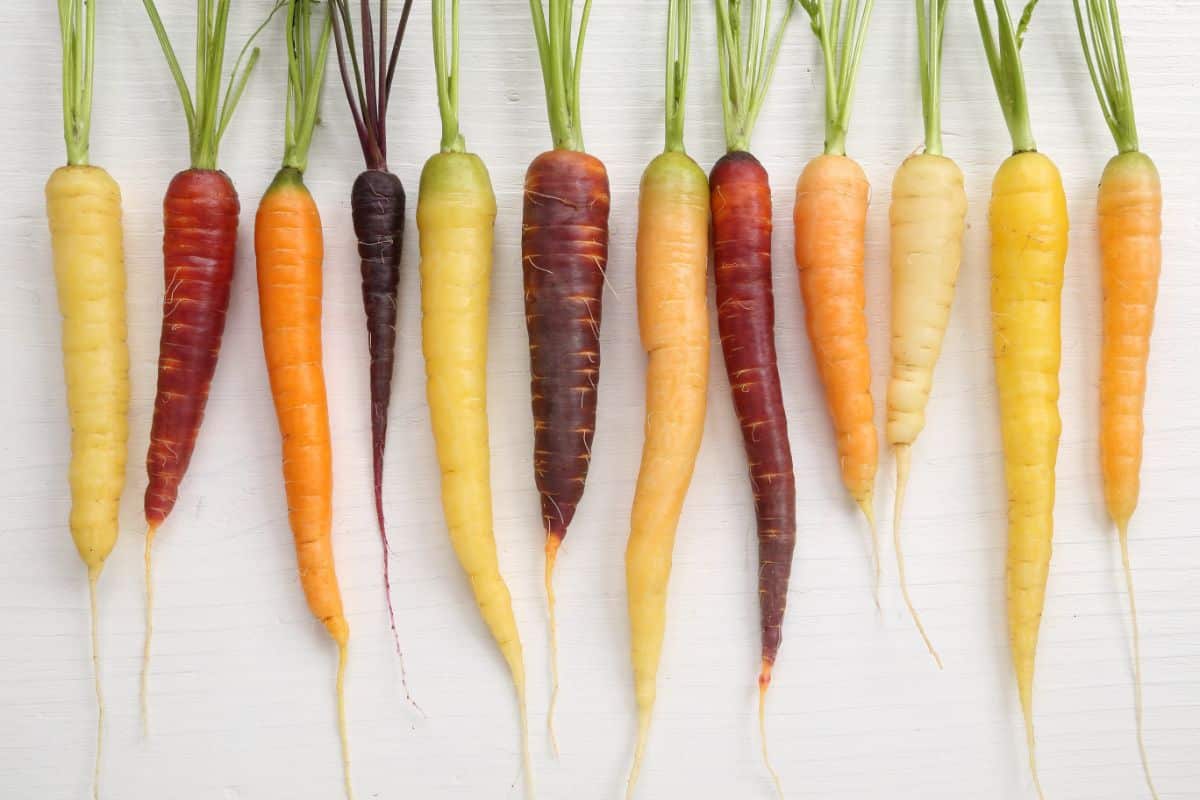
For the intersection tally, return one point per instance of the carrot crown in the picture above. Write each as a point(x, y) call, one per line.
point(78, 28)
point(306, 69)
point(1104, 49)
point(209, 115)
point(561, 66)
point(841, 53)
point(1003, 51)
point(368, 98)
point(931, 24)
point(747, 64)
point(445, 66)
point(679, 31)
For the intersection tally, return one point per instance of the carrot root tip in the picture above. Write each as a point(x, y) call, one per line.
point(764, 682)
point(343, 728)
point(639, 753)
point(1138, 706)
point(903, 465)
point(552, 544)
point(866, 503)
point(151, 531)
point(93, 577)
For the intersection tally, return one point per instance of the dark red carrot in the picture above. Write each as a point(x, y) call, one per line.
point(741, 219)
point(377, 206)
point(564, 248)
point(564, 245)
point(741, 214)
point(200, 221)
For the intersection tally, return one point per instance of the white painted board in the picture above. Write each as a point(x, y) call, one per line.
point(242, 682)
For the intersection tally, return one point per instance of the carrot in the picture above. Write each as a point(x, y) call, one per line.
point(456, 214)
point(740, 197)
point(928, 215)
point(830, 217)
point(672, 263)
point(200, 221)
point(289, 249)
point(377, 207)
point(1028, 221)
point(564, 249)
point(83, 207)
point(1129, 204)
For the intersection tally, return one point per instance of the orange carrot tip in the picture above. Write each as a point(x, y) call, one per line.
point(764, 682)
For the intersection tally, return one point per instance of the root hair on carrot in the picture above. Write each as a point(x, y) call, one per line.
point(903, 465)
point(147, 559)
point(552, 544)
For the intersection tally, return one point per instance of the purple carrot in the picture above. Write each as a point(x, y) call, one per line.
point(377, 205)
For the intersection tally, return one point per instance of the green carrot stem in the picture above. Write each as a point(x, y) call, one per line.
point(841, 31)
point(679, 29)
point(1003, 50)
point(931, 25)
point(77, 24)
point(1104, 50)
point(746, 64)
point(562, 65)
point(445, 64)
point(306, 70)
point(208, 115)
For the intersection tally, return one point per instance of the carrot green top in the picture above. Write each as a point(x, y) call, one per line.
point(445, 66)
point(78, 45)
point(208, 117)
point(746, 64)
point(1100, 32)
point(931, 24)
point(1004, 60)
point(841, 54)
point(679, 30)
point(561, 66)
point(306, 69)
point(368, 98)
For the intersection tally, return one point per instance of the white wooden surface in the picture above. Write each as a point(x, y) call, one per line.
point(242, 701)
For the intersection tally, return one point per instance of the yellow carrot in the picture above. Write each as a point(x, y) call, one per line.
point(456, 212)
point(672, 298)
point(1129, 205)
point(927, 217)
point(1028, 221)
point(83, 205)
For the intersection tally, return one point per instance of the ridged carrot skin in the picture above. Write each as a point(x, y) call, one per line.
point(672, 264)
point(742, 224)
point(200, 222)
point(83, 205)
point(564, 247)
point(289, 247)
point(1028, 220)
point(1130, 211)
point(927, 217)
point(830, 224)
point(377, 205)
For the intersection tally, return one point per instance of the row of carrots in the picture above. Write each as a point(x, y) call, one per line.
point(565, 247)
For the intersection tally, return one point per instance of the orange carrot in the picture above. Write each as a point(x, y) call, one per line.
point(289, 249)
point(830, 227)
point(830, 222)
point(1130, 210)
